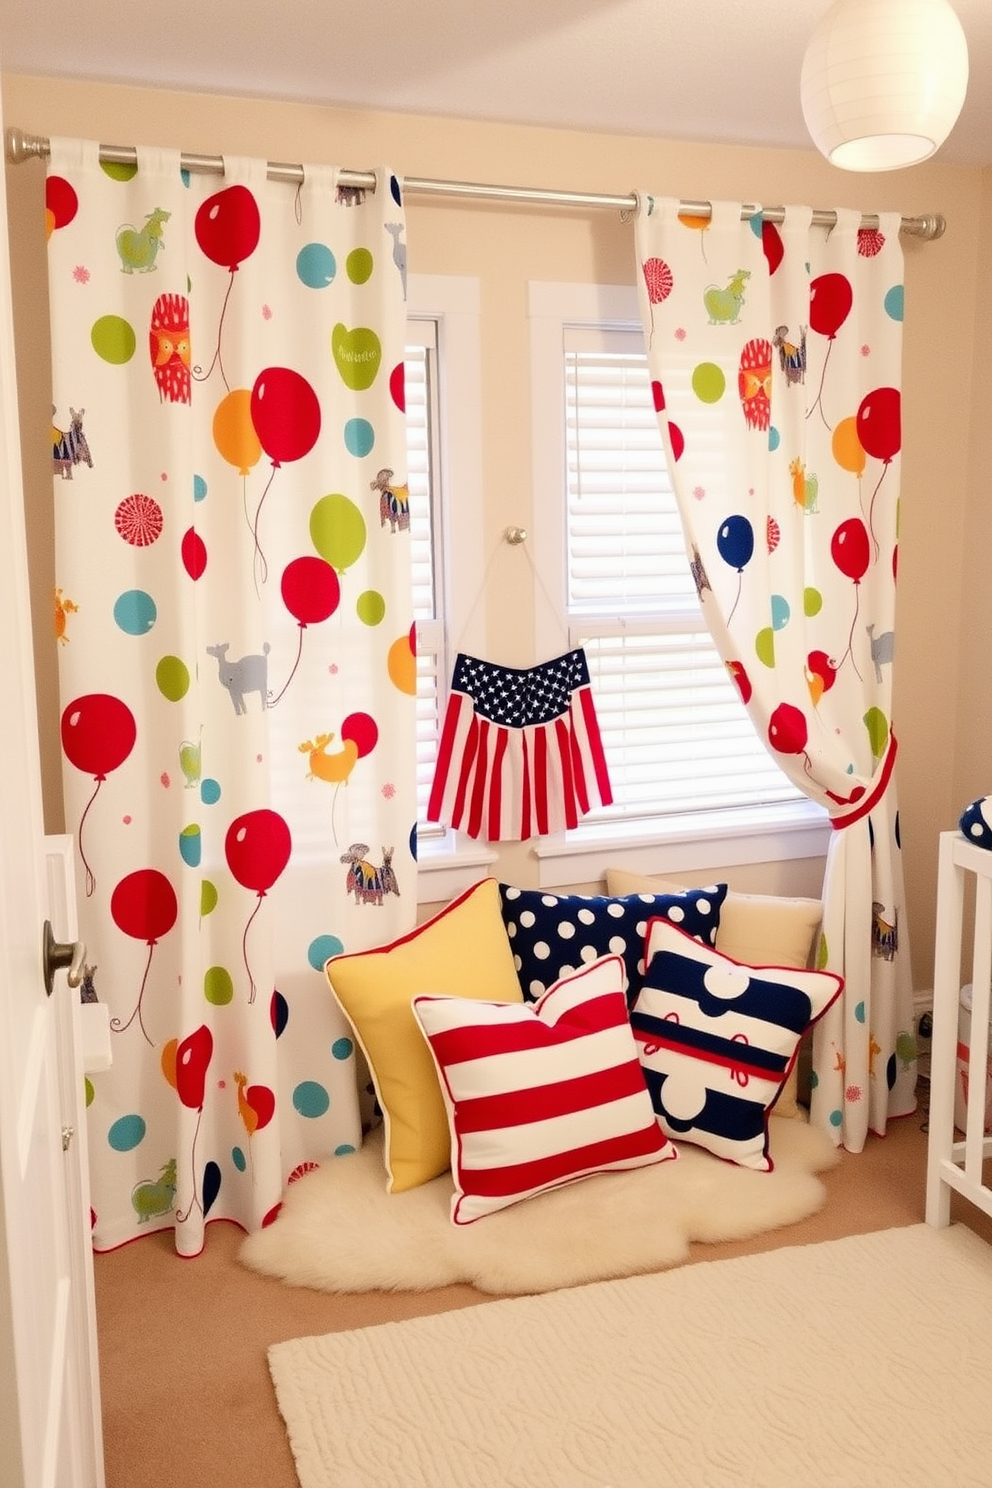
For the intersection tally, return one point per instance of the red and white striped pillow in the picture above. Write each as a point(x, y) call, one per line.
point(540, 1094)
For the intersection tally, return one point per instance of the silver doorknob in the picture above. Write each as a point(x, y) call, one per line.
point(56, 956)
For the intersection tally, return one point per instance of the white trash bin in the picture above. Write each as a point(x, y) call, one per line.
point(961, 1075)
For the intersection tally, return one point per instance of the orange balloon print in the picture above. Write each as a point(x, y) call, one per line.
point(402, 666)
point(234, 432)
point(847, 448)
point(168, 1058)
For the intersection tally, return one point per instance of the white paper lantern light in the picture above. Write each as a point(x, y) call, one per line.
point(883, 81)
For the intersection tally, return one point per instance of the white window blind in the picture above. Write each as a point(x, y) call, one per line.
point(676, 735)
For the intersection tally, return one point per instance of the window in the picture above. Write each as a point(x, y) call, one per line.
point(684, 758)
point(444, 445)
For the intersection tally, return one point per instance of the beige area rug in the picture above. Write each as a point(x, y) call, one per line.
point(340, 1231)
point(856, 1363)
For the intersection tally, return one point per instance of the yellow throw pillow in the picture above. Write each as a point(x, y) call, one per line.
point(463, 951)
point(758, 929)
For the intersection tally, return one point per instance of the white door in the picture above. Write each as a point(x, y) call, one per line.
point(41, 1379)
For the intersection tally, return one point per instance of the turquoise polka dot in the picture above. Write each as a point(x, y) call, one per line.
point(359, 437)
point(199, 488)
point(135, 612)
point(859, 1012)
point(836, 1117)
point(190, 846)
point(126, 1133)
point(238, 1159)
point(321, 948)
point(342, 1048)
point(316, 266)
point(311, 1099)
point(895, 302)
point(209, 792)
point(757, 223)
point(774, 439)
point(344, 1150)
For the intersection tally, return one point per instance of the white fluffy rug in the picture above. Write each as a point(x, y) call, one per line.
point(340, 1231)
point(856, 1362)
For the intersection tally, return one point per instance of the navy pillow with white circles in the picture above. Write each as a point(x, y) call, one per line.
point(553, 935)
point(976, 821)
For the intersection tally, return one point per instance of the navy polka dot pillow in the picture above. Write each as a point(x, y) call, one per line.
point(976, 821)
point(553, 935)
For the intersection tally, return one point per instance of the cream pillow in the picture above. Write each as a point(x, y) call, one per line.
point(758, 929)
point(463, 951)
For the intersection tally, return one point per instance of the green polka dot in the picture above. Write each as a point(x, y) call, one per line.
point(218, 988)
point(208, 897)
point(88, 1089)
point(358, 265)
point(118, 170)
point(370, 607)
point(172, 678)
point(708, 382)
point(812, 602)
point(113, 339)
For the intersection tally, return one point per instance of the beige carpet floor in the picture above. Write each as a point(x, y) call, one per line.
point(703, 1375)
point(187, 1395)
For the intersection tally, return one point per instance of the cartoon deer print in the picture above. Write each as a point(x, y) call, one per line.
point(882, 649)
point(394, 502)
point(248, 674)
point(369, 883)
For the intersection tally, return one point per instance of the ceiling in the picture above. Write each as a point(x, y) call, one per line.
point(706, 70)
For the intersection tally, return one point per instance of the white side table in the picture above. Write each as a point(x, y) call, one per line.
point(964, 872)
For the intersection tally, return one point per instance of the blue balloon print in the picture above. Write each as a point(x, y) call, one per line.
point(211, 1186)
point(135, 612)
point(735, 542)
point(316, 266)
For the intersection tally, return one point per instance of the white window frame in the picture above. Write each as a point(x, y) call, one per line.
point(448, 862)
point(696, 843)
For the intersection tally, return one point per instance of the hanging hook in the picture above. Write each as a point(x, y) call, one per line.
point(515, 535)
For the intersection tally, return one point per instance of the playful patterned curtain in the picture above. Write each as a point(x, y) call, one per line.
point(775, 360)
point(234, 622)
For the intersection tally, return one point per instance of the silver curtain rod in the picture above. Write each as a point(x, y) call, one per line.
point(21, 146)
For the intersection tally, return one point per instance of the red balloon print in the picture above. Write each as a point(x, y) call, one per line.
point(678, 440)
point(362, 731)
point(285, 414)
point(228, 226)
point(98, 733)
point(192, 1059)
point(787, 731)
point(144, 905)
point(830, 301)
point(397, 386)
point(194, 553)
point(743, 681)
point(61, 202)
point(771, 242)
point(879, 423)
point(257, 848)
point(311, 591)
point(849, 549)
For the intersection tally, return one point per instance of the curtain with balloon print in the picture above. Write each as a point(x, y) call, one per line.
point(775, 357)
point(236, 665)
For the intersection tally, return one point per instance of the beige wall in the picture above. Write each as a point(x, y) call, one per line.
point(943, 706)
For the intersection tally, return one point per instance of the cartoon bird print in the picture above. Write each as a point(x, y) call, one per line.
point(754, 383)
point(63, 608)
point(805, 487)
point(169, 347)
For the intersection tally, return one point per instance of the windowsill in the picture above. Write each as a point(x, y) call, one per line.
point(448, 865)
point(693, 843)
